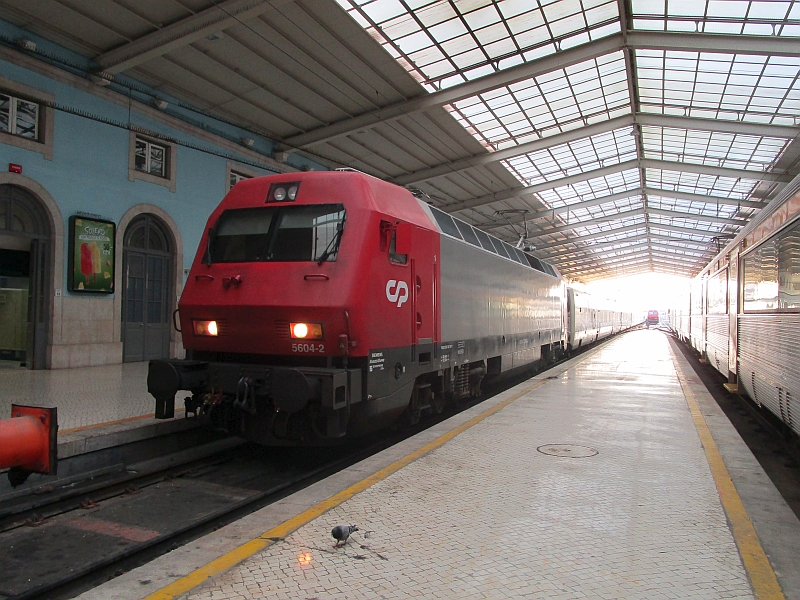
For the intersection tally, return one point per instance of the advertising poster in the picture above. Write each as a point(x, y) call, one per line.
point(91, 253)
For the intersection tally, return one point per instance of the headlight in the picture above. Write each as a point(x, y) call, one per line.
point(208, 328)
point(292, 193)
point(306, 331)
point(279, 194)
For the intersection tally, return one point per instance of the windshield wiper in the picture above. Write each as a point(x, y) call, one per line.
point(333, 245)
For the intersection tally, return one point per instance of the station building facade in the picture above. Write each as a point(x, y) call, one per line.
point(105, 188)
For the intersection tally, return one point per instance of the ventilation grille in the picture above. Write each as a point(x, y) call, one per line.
point(282, 330)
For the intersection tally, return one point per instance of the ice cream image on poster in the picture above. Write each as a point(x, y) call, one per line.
point(91, 255)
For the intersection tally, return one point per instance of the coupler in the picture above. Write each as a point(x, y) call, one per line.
point(28, 442)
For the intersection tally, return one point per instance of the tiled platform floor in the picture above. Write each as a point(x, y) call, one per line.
point(487, 515)
point(84, 396)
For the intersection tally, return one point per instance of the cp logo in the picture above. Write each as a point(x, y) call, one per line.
point(396, 291)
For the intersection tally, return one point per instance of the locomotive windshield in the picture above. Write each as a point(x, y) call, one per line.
point(278, 234)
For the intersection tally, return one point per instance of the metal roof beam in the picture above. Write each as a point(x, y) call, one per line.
point(668, 165)
point(548, 185)
point(694, 217)
point(762, 45)
point(570, 255)
point(739, 44)
point(565, 209)
point(621, 261)
point(214, 19)
point(717, 125)
point(572, 264)
point(604, 219)
point(591, 236)
point(599, 257)
point(680, 242)
point(577, 241)
point(647, 163)
point(485, 158)
point(687, 230)
point(452, 94)
point(670, 121)
point(678, 195)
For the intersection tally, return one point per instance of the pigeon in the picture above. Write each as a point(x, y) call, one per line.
point(341, 533)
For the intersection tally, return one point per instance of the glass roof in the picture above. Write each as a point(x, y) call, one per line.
point(734, 151)
point(590, 227)
point(736, 87)
point(697, 208)
point(573, 158)
point(590, 189)
point(446, 42)
point(603, 210)
point(697, 183)
point(564, 99)
point(764, 17)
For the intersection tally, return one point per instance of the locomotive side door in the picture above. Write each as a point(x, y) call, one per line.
point(421, 246)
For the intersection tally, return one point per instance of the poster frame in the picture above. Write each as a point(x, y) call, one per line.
point(72, 286)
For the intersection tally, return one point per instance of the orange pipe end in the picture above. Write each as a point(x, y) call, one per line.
point(28, 439)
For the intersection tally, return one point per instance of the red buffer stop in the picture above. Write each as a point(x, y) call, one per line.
point(28, 442)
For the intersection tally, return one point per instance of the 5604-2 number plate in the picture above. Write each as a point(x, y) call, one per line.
point(312, 348)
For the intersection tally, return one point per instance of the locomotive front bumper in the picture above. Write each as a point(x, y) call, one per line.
point(255, 389)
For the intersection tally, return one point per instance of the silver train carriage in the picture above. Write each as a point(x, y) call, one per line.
point(742, 312)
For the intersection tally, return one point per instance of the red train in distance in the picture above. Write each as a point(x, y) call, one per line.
point(325, 305)
point(652, 317)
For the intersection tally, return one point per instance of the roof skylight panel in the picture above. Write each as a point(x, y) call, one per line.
point(696, 183)
point(602, 210)
point(585, 93)
point(736, 151)
point(715, 85)
point(445, 42)
point(701, 208)
point(576, 157)
point(593, 227)
point(685, 222)
point(590, 189)
point(752, 17)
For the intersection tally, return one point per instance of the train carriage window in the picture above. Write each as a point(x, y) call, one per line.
point(789, 269)
point(521, 257)
point(512, 253)
point(761, 278)
point(295, 233)
point(467, 233)
point(548, 268)
point(485, 240)
point(498, 245)
point(534, 263)
point(446, 222)
point(717, 294)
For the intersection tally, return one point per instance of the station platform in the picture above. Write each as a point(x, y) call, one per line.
point(86, 397)
point(100, 409)
point(613, 475)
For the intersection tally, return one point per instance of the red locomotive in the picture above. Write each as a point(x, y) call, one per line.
point(325, 305)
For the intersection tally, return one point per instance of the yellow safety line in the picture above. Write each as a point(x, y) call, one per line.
point(762, 577)
point(226, 561)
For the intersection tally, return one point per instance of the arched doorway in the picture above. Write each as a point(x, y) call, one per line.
point(25, 239)
point(147, 262)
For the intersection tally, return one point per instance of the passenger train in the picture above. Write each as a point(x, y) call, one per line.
point(742, 312)
point(327, 305)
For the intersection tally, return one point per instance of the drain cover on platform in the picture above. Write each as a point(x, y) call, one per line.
point(567, 450)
